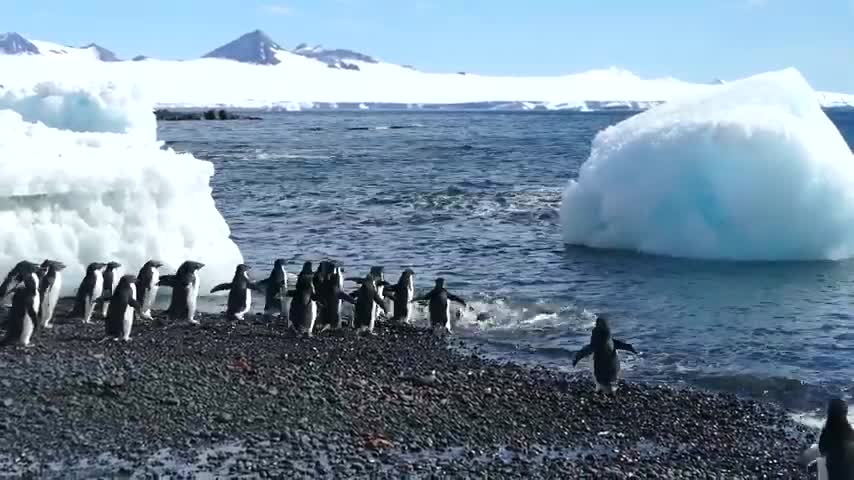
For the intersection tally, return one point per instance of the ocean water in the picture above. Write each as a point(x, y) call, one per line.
point(474, 197)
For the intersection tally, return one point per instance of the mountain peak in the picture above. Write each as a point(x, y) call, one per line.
point(253, 47)
point(12, 43)
point(104, 55)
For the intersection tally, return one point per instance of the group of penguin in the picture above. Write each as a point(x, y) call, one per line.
point(316, 298)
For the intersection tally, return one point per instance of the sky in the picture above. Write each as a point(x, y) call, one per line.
point(693, 40)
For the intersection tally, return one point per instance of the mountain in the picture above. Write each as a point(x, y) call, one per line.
point(139, 58)
point(13, 44)
point(102, 53)
point(255, 47)
point(335, 58)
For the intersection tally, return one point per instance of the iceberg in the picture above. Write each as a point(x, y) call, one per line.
point(753, 170)
point(83, 179)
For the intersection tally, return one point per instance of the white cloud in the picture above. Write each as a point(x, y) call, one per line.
point(277, 9)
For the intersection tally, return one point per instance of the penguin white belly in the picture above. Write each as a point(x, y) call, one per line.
point(376, 308)
point(247, 305)
point(192, 298)
point(150, 294)
point(127, 323)
point(105, 305)
point(448, 317)
point(52, 299)
point(410, 294)
point(311, 317)
point(28, 324)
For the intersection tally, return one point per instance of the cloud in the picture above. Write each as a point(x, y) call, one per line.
point(277, 9)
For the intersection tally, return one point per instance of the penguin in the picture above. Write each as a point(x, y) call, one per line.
point(14, 277)
point(303, 310)
point(439, 306)
point(110, 281)
point(331, 294)
point(185, 291)
point(275, 288)
point(368, 300)
point(50, 285)
point(119, 319)
point(24, 311)
point(377, 273)
point(147, 286)
point(239, 293)
point(305, 275)
point(606, 363)
point(835, 450)
point(89, 292)
point(403, 294)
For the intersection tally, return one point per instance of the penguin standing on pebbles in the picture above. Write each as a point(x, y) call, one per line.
point(24, 312)
point(89, 292)
point(403, 294)
point(303, 309)
point(275, 288)
point(440, 306)
point(185, 291)
point(835, 445)
point(49, 286)
point(110, 281)
point(331, 294)
point(239, 293)
point(119, 320)
point(606, 363)
point(368, 300)
point(147, 285)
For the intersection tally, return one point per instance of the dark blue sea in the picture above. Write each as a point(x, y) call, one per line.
point(474, 197)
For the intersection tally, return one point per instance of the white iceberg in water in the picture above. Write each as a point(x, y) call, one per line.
point(83, 179)
point(752, 170)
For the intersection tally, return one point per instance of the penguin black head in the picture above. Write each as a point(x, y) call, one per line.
point(601, 332)
point(193, 265)
point(24, 267)
point(377, 272)
point(837, 411)
point(113, 265)
point(409, 272)
point(128, 279)
point(242, 269)
point(92, 267)
point(154, 263)
point(307, 267)
point(279, 263)
point(440, 282)
point(602, 322)
point(54, 264)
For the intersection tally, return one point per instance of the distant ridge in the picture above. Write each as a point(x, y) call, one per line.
point(13, 44)
point(254, 47)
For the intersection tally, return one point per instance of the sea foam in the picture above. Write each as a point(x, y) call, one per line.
point(83, 179)
point(753, 170)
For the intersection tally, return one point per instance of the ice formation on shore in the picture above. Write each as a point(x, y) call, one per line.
point(753, 170)
point(83, 179)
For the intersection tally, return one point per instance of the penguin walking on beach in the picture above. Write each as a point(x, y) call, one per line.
point(834, 452)
point(239, 293)
point(440, 306)
point(377, 273)
point(110, 281)
point(403, 294)
point(119, 319)
point(185, 291)
point(50, 285)
point(24, 312)
point(368, 301)
point(606, 363)
point(331, 295)
point(147, 284)
point(303, 310)
point(89, 292)
point(275, 288)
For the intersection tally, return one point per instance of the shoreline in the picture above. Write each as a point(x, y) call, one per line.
point(248, 398)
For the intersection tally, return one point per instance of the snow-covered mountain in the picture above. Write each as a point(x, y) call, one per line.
point(255, 47)
point(13, 44)
point(254, 71)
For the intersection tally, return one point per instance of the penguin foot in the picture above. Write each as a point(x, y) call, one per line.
point(193, 321)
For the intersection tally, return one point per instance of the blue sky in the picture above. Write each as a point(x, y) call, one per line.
point(695, 40)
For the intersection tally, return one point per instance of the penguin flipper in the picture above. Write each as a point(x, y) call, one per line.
point(457, 299)
point(618, 345)
point(380, 301)
point(135, 304)
point(221, 287)
point(260, 287)
point(167, 281)
point(584, 352)
point(346, 298)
